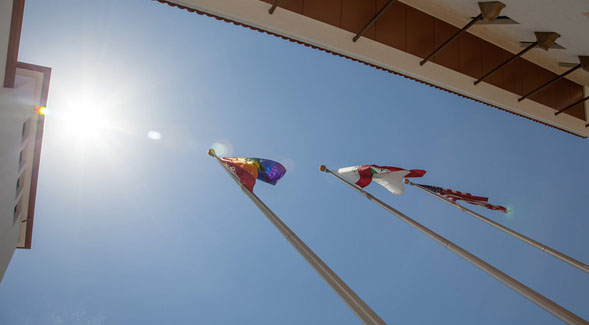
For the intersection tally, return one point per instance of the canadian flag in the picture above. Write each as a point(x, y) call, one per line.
point(389, 177)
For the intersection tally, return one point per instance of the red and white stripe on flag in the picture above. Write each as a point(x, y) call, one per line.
point(466, 197)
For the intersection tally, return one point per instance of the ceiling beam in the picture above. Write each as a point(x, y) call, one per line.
point(448, 41)
point(490, 10)
point(274, 5)
point(543, 40)
point(555, 79)
point(584, 64)
point(571, 105)
point(373, 20)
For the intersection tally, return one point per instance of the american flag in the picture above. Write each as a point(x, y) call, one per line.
point(466, 197)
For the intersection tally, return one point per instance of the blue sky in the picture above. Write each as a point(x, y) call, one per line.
point(131, 230)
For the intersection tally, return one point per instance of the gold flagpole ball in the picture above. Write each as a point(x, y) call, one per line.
point(406, 181)
point(212, 152)
point(322, 168)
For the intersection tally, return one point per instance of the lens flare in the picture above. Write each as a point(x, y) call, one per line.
point(223, 148)
point(510, 214)
point(154, 135)
point(41, 110)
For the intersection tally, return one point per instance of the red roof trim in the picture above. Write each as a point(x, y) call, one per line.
point(37, 151)
point(18, 8)
point(353, 59)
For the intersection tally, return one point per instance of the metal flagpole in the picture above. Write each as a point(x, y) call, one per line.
point(519, 287)
point(358, 306)
point(540, 246)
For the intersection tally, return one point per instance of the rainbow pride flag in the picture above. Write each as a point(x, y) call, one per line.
point(250, 169)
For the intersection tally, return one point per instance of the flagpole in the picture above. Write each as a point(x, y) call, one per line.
point(519, 287)
point(358, 306)
point(565, 258)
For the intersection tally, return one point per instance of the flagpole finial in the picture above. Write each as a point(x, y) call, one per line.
point(322, 168)
point(212, 152)
point(406, 181)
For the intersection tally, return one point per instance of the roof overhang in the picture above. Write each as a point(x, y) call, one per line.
point(312, 29)
point(18, 8)
point(568, 18)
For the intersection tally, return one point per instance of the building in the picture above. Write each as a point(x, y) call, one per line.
point(24, 92)
point(398, 36)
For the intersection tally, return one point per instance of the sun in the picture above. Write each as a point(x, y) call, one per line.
point(85, 119)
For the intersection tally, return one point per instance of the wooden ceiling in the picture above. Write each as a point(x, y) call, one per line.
point(416, 32)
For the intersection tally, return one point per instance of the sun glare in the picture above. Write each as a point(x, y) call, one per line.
point(85, 121)
point(154, 135)
point(223, 147)
point(41, 110)
point(91, 120)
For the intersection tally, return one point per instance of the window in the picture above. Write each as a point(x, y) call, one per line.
point(17, 210)
point(26, 129)
point(20, 182)
point(21, 159)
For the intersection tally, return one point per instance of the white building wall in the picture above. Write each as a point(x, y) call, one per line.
point(17, 105)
